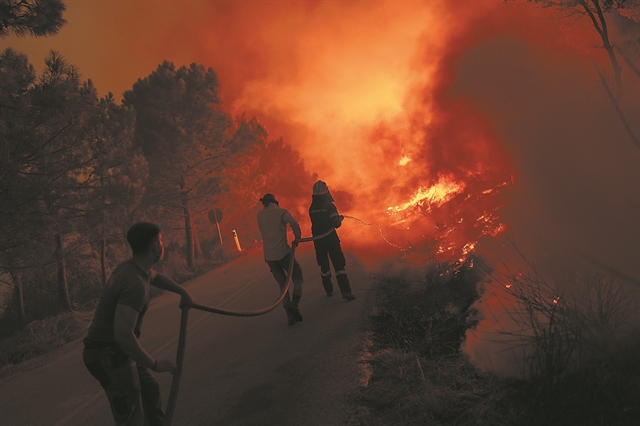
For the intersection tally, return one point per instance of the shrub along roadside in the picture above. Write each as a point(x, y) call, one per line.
point(420, 377)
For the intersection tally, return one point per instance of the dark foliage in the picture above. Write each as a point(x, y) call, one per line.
point(34, 17)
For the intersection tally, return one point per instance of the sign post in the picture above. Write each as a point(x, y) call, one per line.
point(235, 237)
point(215, 216)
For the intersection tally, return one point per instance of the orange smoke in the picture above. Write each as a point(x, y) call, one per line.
point(351, 87)
point(360, 90)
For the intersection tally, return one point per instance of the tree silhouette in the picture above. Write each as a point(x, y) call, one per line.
point(595, 10)
point(35, 17)
point(65, 159)
point(187, 138)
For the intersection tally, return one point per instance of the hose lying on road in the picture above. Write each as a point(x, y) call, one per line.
point(182, 339)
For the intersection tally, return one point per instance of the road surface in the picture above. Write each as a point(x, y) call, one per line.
point(237, 371)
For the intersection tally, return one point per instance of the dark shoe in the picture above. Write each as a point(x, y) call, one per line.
point(290, 321)
point(348, 296)
point(329, 293)
point(294, 312)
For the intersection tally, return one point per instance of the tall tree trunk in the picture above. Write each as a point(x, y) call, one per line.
point(196, 241)
point(19, 300)
point(63, 286)
point(188, 235)
point(187, 222)
point(103, 259)
point(103, 241)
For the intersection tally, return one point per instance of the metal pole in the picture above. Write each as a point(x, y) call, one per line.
point(175, 384)
point(218, 227)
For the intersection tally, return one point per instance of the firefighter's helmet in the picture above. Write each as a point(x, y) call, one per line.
point(320, 188)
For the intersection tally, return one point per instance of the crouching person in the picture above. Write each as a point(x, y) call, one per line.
point(112, 353)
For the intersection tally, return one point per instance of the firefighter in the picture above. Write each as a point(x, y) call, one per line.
point(272, 221)
point(324, 217)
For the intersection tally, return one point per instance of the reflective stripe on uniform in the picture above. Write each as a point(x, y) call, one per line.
point(326, 274)
point(343, 272)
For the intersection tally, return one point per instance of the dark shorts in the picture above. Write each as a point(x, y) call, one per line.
point(132, 391)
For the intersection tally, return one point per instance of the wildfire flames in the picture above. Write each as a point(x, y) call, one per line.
point(425, 199)
point(448, 233)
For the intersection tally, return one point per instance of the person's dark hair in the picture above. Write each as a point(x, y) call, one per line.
point(268, 198)
point(140, 235)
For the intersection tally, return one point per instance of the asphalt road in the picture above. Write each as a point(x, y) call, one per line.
point(237, 371)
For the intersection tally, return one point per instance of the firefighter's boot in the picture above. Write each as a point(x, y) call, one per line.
point(343, 283)
point(327, 283)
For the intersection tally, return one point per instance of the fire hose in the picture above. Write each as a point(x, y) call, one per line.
point(182, 339)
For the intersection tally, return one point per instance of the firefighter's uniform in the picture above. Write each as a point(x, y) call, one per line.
point(324, 217)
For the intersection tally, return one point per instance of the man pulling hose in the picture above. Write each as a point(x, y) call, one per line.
point(112, 352)
point(272, 221)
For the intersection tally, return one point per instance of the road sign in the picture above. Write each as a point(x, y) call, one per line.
point(215, 215)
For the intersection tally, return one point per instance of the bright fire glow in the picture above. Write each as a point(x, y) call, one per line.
point(434, 196)
point(404, 161)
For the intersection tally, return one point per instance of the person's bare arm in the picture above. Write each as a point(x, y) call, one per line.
point(166, 283)
point(123, 330)
point(297, 232)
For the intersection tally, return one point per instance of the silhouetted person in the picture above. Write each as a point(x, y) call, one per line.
point(112, 352)
point(324, 217)
point(272, 221)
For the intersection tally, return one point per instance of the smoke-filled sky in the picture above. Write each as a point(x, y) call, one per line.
point(495, 108)
point(384, 99)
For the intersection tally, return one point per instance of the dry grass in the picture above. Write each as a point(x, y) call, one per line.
point(41, 337)
point(406, 389)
